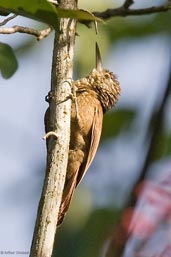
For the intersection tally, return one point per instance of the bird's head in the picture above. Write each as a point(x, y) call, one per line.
point(104, 83)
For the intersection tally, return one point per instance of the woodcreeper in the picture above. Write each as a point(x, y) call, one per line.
point(95, 94)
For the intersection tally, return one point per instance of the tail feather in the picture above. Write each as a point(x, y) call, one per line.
point(69, 188)
point(75, 159)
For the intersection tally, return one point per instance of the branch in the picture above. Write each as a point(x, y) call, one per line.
point(58, 120)
point(115, 248)
point(150, 154)
point(128, 3)
point(8, 19)
point(125, 11)
point(55, 2)
point(40, 34)
point(154, 140)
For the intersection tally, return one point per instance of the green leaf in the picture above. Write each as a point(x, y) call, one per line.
point(79, 14)
point(35, 9)
point(8, 61)
point(117, 121)
point(43, 11)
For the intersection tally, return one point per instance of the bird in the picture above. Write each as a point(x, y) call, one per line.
point(95, 94)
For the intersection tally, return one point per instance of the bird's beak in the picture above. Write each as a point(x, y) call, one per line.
point(98, 59)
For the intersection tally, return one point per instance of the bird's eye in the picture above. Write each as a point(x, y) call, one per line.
point(107, 76)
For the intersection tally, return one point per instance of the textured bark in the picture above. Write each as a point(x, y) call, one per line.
point(57, 156)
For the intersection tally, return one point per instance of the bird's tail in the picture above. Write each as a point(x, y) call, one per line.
point(69, 187)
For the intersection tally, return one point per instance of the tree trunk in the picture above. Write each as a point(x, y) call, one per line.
point(57, 156)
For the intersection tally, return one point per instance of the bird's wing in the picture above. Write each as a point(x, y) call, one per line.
point(80, 171)
point(94, 142)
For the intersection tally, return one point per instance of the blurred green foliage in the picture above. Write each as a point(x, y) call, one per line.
point(8, 61)
point(116, 122)
point(88, 241)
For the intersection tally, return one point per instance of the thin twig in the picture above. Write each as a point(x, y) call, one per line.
point(40, 34)
point(124, 11)
point(128, 3)
point(8, 19)
point(53, 2)
point(50, 133)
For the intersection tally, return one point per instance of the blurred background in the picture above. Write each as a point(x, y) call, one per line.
point(122, 207)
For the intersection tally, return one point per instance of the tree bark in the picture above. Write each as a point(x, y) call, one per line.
point(57, 156)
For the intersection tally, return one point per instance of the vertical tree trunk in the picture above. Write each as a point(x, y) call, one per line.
point(57, 156)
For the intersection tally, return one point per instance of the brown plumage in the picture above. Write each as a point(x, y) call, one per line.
point(95, 94)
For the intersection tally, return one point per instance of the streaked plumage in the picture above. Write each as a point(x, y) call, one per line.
point(95, 94)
